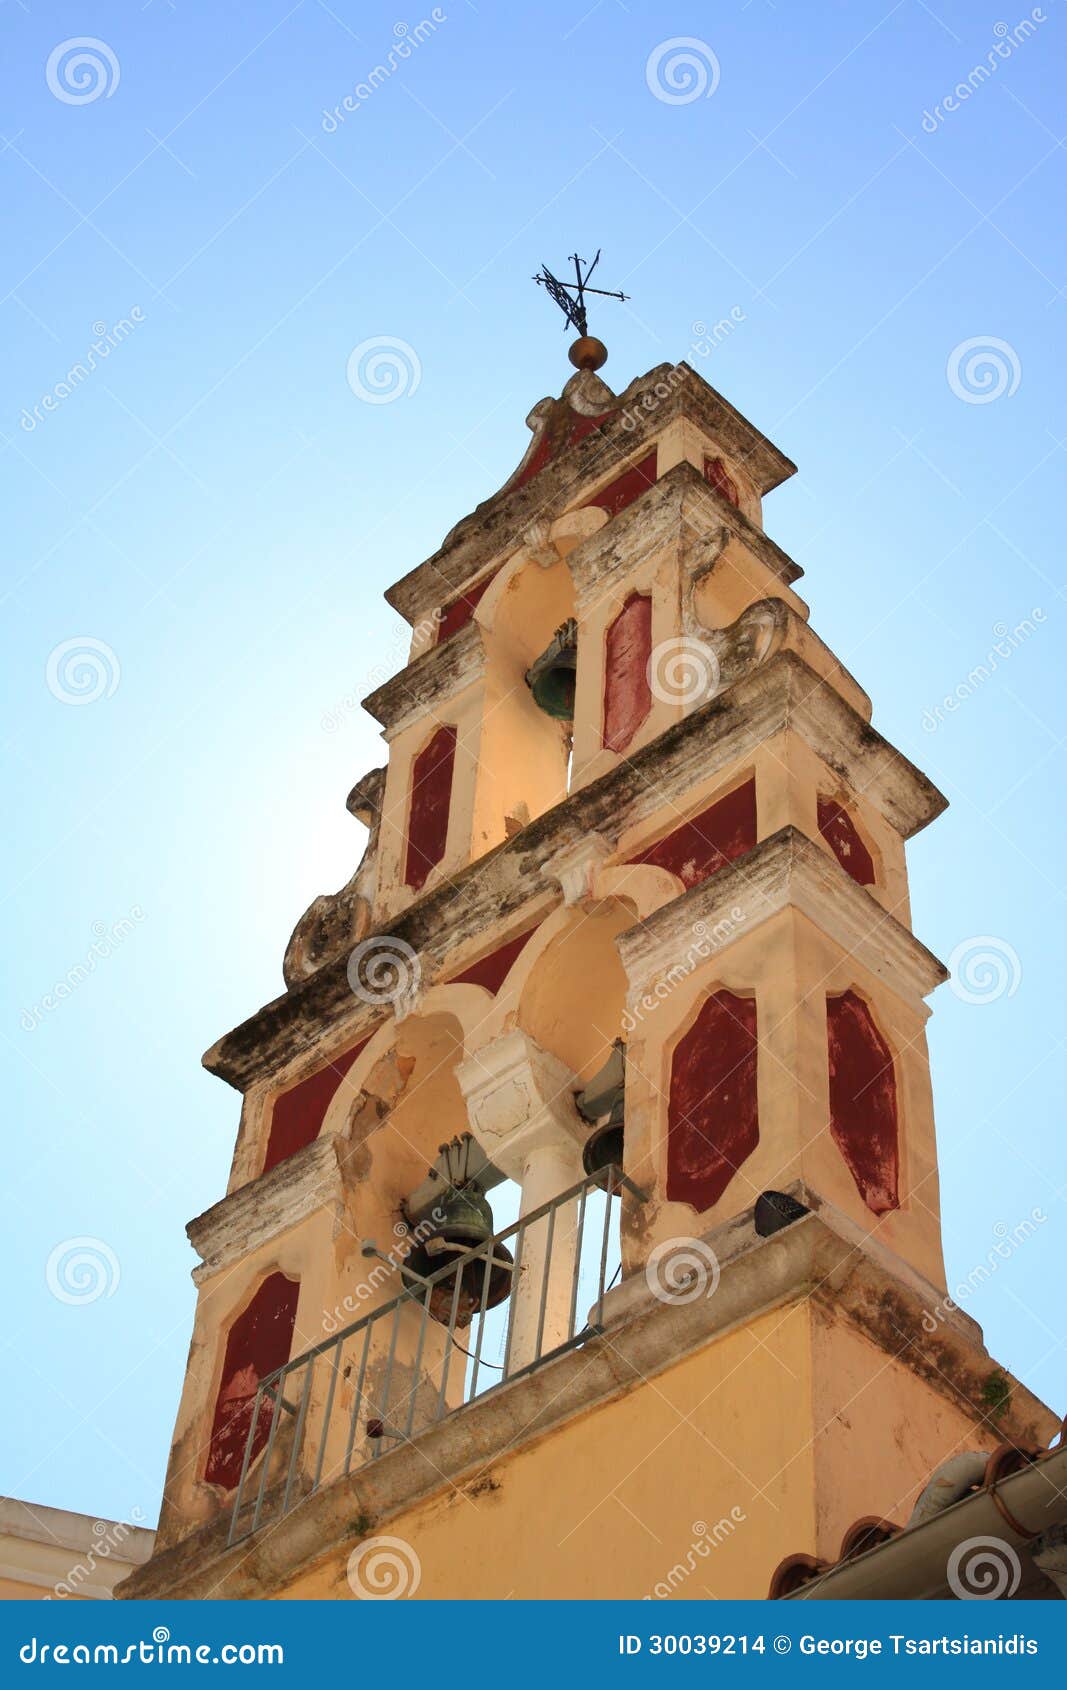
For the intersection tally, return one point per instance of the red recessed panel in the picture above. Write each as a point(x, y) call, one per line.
point(712, 1112)
point(863, 1100)
point(260, 1340)
point(431, 796)
point(492, 970)
point(558, 437)
point(627, 694)
point(458, 613)
point(717, 475)
point(298, 1113)
point(626, 487)
point(839, 831)
point(699, 847)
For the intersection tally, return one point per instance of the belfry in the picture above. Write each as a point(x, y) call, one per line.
point(586, 1187)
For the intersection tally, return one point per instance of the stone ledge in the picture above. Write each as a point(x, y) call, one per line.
point(783, 693)
point(785, 871)
point(496, 523)
point(821, 1256)
point(267, 1206)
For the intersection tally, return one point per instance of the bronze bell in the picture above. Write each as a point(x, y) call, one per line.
point(455, 1219)
point(602, 1102)
point(553, 676)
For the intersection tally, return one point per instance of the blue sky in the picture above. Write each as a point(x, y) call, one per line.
point(218, 509)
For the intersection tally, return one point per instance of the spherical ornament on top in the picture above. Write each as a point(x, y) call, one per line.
point(588, 353)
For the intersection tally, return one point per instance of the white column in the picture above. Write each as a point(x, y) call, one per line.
point(520, 1104)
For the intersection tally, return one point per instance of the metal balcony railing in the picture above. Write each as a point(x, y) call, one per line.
point(403, 1367)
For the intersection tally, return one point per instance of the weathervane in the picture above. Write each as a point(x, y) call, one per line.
point(587, 353)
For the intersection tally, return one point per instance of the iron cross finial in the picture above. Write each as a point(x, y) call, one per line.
point(570, 296)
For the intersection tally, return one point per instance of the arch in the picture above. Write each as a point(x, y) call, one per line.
point(645, 887)
point(570, 996)
point(259, 1340)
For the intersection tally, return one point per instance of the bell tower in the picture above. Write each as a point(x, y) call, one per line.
point(586, 1180)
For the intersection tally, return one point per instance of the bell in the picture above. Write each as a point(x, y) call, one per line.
point(460, 1220)
point(552, 677)
point(602, 1102)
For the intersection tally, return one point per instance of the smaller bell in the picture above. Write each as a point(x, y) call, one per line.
point(552, 678)
point(602, 1101)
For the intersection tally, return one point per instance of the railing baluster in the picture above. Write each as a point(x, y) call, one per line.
point(604, 1242)
point(483, 1311)
point(544, 1284)
point(245, 1464)
point(560, 1233)
point(573, 1325)
point(387, 1383)
point(451, 1338)
point(298, 1431)
point(326, 1413)
point(514, 1296)
point(418, 1363)
point(278, 1389)
point(358, 1398)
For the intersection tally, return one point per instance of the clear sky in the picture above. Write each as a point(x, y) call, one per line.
point(216, 511)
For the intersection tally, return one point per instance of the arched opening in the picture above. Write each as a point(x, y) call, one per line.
point(524, 754)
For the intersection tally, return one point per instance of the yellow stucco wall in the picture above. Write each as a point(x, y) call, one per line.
point(773, 1439)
